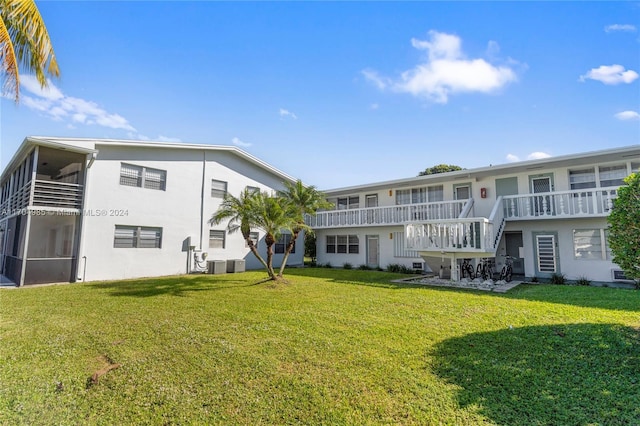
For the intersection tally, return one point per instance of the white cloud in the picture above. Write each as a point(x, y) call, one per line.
point(57, 106)
point(512, 158)
point(238, 142)
point(162, 138)
point(375, 79)
point(446, 71)
point(286, 113)
point(610, 74)
point(31, 84)
point(620, 27)
point(627, 115)
point(538, 155)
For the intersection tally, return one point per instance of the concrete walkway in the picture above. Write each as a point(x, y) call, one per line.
point(477, 284)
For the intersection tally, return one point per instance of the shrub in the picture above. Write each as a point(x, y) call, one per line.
point(558, 278)
point(534, 279)
point(327, 265)
point(364, 267)
point(393, 267)
point(583, 281)
point(347, 265)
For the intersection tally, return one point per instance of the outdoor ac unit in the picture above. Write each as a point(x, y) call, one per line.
point(619, 276)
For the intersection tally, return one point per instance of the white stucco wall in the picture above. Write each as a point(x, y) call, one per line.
point(177, 210)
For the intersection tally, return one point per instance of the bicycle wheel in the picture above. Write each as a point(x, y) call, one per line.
point(479, 271)
point(503, 273)
point(509, 274)
point(470, 272)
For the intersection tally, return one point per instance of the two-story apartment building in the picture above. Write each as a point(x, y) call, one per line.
point(548, 215)
point(92, 209)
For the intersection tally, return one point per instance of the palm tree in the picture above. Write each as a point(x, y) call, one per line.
point(273, 216)
point(256, 210)
point(304, 200)
point(24, 41)
point(240, 212)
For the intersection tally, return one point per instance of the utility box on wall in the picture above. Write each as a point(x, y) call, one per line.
point(235, 265)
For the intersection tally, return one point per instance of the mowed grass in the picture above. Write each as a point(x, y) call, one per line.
point(328, 347)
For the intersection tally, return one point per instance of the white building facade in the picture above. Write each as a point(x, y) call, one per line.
point(549, 216)
point(91, 209)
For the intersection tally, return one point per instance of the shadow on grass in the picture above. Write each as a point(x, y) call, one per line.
point(175, 285)
point(354, 276)
point(564, 374)
point(618, 299)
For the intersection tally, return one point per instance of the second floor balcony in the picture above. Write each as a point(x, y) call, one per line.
point(45, 194)
point(593, 202)
point(387, 215)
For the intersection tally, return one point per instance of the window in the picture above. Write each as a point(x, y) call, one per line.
point(435, 193)
point(352, 202)
point(218, 188)
point(612, 175)
point(419, 195)
point(462, 192)
point(588, 244)
point(252, 189)
point(253, 236)
point(403, 196)
point(331, 244)
point(281, 245)
point(343, 244)
point(137, 236)
point(635, 167)
point(581, 179)
point(216, 239)
point(142, 177)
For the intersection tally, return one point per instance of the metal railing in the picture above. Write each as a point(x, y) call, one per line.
point(45, 194)
point(387, 215)
point(465, 234)
point(574, 203)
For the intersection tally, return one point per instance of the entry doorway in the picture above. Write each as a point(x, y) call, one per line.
point(373, 251)
point(542, 184)
point(514, 245)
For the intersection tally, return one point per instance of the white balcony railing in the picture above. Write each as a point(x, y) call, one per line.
point(465, 234)
point(45, 194)
point(57, 194)
point(575, 203)
point(388, 215)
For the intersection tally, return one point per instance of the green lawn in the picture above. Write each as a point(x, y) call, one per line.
point(329, 347)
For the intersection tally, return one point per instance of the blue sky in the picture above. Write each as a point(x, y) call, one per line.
point(341, 94)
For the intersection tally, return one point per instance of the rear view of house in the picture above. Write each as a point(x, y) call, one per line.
point(93, 209)
point(548, 215)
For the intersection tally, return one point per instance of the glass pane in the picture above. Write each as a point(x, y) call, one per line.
point(155, 179)
point(150, 237)
point(125, 236)
point(130, 175)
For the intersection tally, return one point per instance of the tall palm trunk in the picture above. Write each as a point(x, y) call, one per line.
point(287, 252)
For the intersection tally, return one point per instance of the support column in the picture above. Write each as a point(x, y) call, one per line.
point(455, 273)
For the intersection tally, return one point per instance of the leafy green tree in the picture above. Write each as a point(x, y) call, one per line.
point(624, 227)
point(303, 200)
point(440, 168)
point(24, 41)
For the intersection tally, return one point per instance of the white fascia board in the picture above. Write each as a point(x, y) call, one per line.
point(179, 145)
point(31, 141)
point(500, 169)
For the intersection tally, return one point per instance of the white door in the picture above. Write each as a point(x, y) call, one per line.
point(546, 254)
point(541, 204)
point(373, 251)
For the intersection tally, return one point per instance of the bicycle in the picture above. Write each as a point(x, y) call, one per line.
point(485, 269)
point(507, 270)
point(467, 269)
